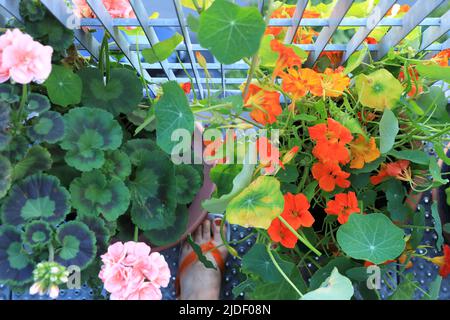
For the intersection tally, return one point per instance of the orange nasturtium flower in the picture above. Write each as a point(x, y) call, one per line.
point(343, 205)
point(442, 58)
point(186, 87)
point(287, 58)
point(363, 151)
point(331, 140)
point(278, 232)
point(264, 104)
point(334, 82)
point(399, 169)
point(283, 12)
point(298, 83)
point(329, 175)
point(443, 262)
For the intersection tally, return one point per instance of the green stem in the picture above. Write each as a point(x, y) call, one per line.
point(281, 271)
point(299, 237)
point(51, 252)
point(136, 234)
point(23, 101)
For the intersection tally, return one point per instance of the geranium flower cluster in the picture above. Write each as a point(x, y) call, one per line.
point(22, 59)
point(116, 8)
point(130, 272)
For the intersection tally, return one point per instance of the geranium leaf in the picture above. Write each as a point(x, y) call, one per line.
point(388, 130)
point(231, 32)
point(5, 176)
point(48, 127)
point(336, 287)
point(37, 234)
point(16, 267)
point(98, 227)
point(163, 49)
point(78, 245)
point(37, 197)
point(371, 237)
point(37, 103)
point(121, 94)
point(117, 164)
point(188, 181)
point(257, 205)
point(5, 138)
point(16, 149)
point(94, 195)
point(63, 86)
point(36, 159)
point(172, 112)
point(9, 93)
point(88, 133)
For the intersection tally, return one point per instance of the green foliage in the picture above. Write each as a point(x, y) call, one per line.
point(117, 164)
point(163, 49)
point(63, 86)
point(223, 175)
point(388, 130)
point(336, 287)
point(36, 159)
point(5, 176)
point(5, 138)
point(230, 32)
point(89, 132)
point(48, 127)
point(37, 103)
point(37, 234)
point(188, 181)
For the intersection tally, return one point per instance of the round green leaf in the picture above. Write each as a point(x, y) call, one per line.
point(37, 234)
point(37, 103)
point(117, 164)
point(231, 32)
point(36, 159)
point(9, 93)
point(63, 86)
point(371, 237)
point(98, 226)
point(257, 205)
point(5, 176)
point(48, 127)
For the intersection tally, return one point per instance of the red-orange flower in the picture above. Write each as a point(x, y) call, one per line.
point(329, 175)
point(413, 79)
point(399, 170)
point(401, 8)
point(186, 87)
point(343, 205)
point(264, 104)
point(331, 139)
point(278, 232)
point(299, 82)
point(282, 12)
point(287, 58)
point(371, 40)
point(443, 262)
point(334, 82)
point(296, 210)
point(442, 58)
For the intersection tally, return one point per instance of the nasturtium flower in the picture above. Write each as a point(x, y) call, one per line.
point(5, 176)
point(37, 233)
point(296, 210)
point(264, 104)
point(442, 58)
point(5, 138)
point(279, 232)
point(16, 266)
point(343, 205)
point(443, 262)
point(78, 245)
point(334, 82)
point(298, 83)
point(189, 182)
point(186, 86)
point(378, 90)
point(399, 169)
point(117, 164)
point(94, 195)
point(287, 57)
point(48, 127)
point(36, 197)
point(363, 151)
point(331, 140)
point(89, 132)
point(48, 276)
point(329, 175)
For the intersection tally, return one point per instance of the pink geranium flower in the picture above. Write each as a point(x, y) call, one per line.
point(22, 59)
point(116, 8)
point(131, 272)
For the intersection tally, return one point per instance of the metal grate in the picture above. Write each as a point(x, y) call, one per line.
point(434, 30)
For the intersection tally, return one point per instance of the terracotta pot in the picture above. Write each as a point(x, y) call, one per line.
point(439, 196)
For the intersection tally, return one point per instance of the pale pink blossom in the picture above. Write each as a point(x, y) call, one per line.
point(116, 8)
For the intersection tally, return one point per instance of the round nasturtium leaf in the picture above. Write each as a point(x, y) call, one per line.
point(88, 133)
point(5, 176)
point(98, 227)
point(121, 94)
point(5, 138)
point(78, 245)
point(36, 197)
point(48, 127)
point(117, 164)
point(173, 233)
point(336, 287)
point(94, 195)
point(371, 237)
point(37, 103)
point(16, 267)
point(231, 32)
point(63, 86)
point(37, 234)
point(188, 183)
point(378, 90)
point(257, 205)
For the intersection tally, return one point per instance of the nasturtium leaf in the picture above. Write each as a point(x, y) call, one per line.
point(172, 113)
point(37, 234)
point(433, 71)
point(94, 195)
point(342, 264)
point(355, 60)
point(189, 182)
point(336, 287)
point(436, 174)
point(16, 267)
point(36, 197)
point(371, 237)
point(267, 55)
point(240, 181)
point(78, 245)
point(98, 227)
point(121, 94)
point(88, 133)
point(434, 103)
point(63, 86)
point(388, 130)
point(5, 138)
point(173, 233)
point(9, 93)
point(223, 175)
point(231, 32)
point(416, 156)
point(37, 103)
point(48, 127)
point(163, 49)
point(437, 225)
point(117, 164)
point(257, 205)
point(36, 159)
point(5, 176)
point(379, 90)
point(418, 220)
point(16, 149)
